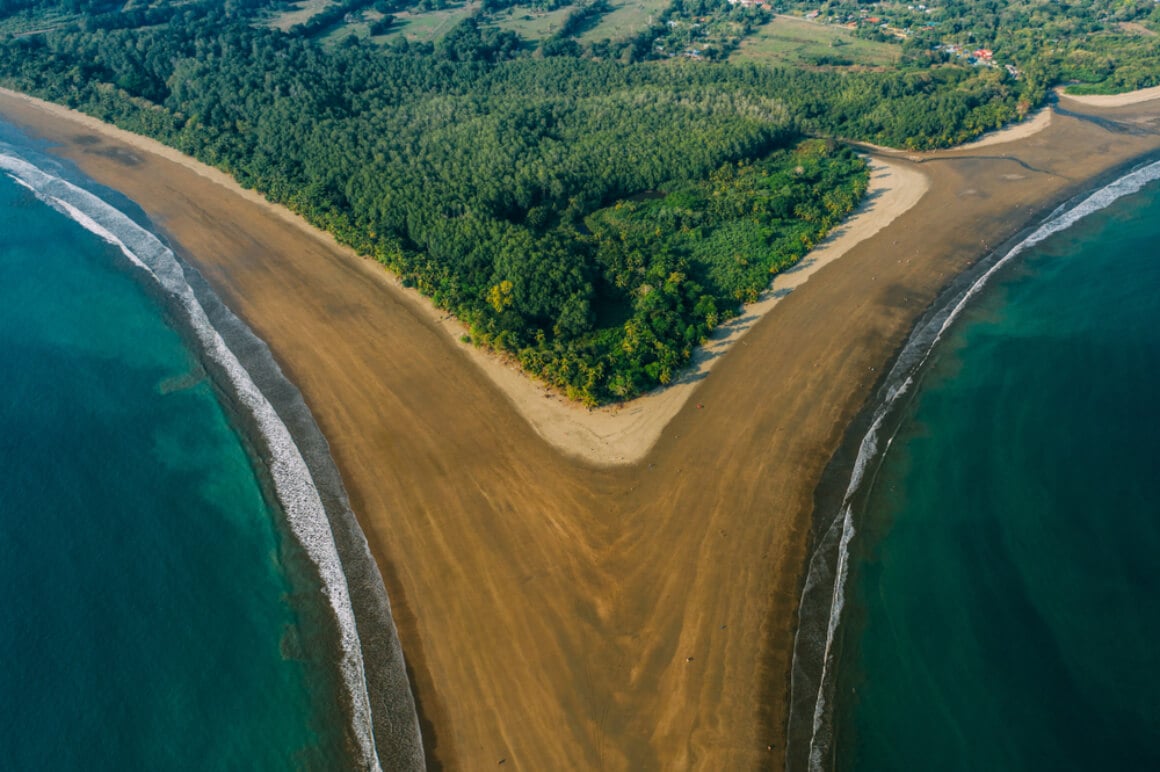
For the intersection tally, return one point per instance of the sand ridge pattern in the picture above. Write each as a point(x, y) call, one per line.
point(556, 614)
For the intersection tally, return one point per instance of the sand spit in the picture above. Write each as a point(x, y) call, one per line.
point(561, 615)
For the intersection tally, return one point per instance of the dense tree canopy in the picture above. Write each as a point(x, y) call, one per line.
point(594, 219)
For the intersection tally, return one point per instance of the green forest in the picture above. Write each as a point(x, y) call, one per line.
point(593, 217)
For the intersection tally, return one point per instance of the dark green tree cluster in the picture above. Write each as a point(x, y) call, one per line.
point(683, 260)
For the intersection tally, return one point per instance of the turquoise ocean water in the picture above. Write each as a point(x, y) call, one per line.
point(153, 614)
point(1002, 603)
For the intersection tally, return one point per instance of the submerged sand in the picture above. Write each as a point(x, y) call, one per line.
point(557, 613)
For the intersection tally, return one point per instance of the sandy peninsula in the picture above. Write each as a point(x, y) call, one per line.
point(556, 612)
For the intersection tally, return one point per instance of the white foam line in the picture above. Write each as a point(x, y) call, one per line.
point(293, 483)
point(821, 735)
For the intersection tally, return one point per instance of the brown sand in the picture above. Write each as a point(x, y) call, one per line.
point(559, 615)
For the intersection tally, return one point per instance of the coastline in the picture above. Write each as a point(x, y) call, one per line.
point(956, 631)
point(289, 456)
point(554, 613)
point(849, 479)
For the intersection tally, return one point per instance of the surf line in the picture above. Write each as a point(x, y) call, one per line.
point(825, 585)
point(293, 484)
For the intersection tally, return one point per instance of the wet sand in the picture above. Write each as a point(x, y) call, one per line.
point(557, 614)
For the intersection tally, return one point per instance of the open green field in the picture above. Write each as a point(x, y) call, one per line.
point(429, 26)
point(791, 41)
point(531, 24)
point(627, 18)
point(360, 27)
point(300, 13)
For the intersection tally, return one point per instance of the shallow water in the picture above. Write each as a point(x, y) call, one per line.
point(151, 616)
point(1003, 602)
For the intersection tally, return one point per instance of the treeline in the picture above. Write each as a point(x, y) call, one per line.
point(491, 180)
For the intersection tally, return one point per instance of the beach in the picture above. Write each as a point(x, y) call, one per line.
point(565, 609)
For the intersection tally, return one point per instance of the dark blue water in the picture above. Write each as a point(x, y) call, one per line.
point(1003, 606)
point(149, 618)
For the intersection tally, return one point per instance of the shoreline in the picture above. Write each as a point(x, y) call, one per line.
point(849, 478)
point(553, 613)
point(1032, 124)
point(289, 456)
point(396, 735)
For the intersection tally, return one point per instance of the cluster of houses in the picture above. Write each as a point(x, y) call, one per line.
point(752, 4)
point(863, 17)
point(980, 57)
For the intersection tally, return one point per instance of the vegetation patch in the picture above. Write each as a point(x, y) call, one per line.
point(624, 19)
point(532, 23)
point(429, 26)
point(676, 264)
point(786, 40)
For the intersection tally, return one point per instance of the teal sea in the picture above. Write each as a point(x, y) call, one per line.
point(1002, 603)
point(155, 611)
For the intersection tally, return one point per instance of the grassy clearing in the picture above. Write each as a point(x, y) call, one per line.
point(627, 18)
point(359, 27)
point(429, 26)
point(797, 42)
point(531, 24)
point(300, 13)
